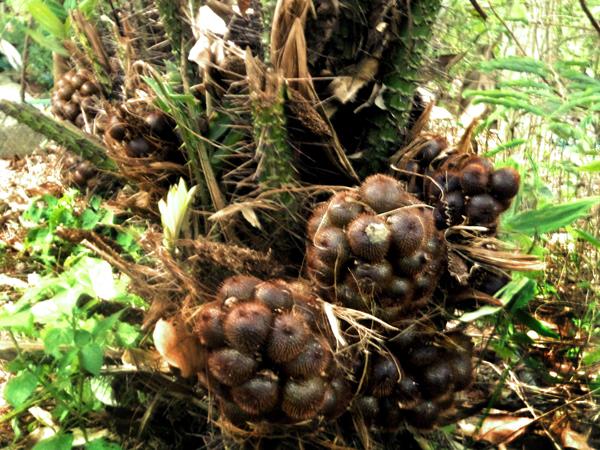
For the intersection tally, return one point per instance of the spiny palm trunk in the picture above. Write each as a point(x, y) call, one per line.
point(375, 52)
point(64, 134)
point(401, 77)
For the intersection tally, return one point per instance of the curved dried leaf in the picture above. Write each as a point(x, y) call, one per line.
point(502, 428)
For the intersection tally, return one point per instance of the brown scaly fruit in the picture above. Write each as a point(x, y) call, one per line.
point(463, 188)
point(78, 172)
point(145, 145)
point(268, 358)
point(416, 382)
point(466, 189)
point(142, 132)
point(376, 249)
point(76, 98)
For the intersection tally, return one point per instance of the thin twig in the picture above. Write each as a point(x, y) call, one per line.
point(479, 9)
point(589, 15)
point(25, 62)
point(516, 388)
point(508, 30)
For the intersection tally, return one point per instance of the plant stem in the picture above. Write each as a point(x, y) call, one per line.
point(269, 130)
point(400, 76)
point(62, 133)
point(25, 63)
point(589, 15)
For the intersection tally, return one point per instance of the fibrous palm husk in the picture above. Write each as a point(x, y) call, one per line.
point(155, 171)
point(492, 252)
point(289, 57)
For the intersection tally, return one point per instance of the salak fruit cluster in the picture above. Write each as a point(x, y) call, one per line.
point(375, 249)
point(464, 188)
point(142, 134)
point(79, 172)
point(75, 98)
point(268, 354)
point(416, 381)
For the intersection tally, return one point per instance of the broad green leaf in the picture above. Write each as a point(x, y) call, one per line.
point(503, 351)
point(523, 295)
point(106, 217)
point(127, 334)
point(534, 324)
point(101, 444)
point(36, 210)
point(82, 338)
point(550, 218)
point(19, 388)
point(514, 295)
point(60, 305)
point(103, 282)
point(103, 326)
point(103, 390)
point(479, 313)
point(38, 239)
point(43, 15)
point(68, 359)
point(57, 8)
point(87, 7)
point(95, 202)
point(522, 339)
point(69, 4)
point(586, 237)
point(98, 275)
point(23, 319)
point(519, 12)
point(89, 219)
point(92, 357)
point(48, 42)
point(128, 243)
point(591, 358)
point(56, 442)
point(41, 289)
point(55, 338)
point(591, 167)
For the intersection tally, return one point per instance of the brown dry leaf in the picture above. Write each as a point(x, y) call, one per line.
point(502, 428)
point(160, 307)
point(177, 346)
point(244, 208)
point(345, 88)
point(573, 439)
point(243, 5)
point(143, 359)
point(250, 216)
point(458, 268)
